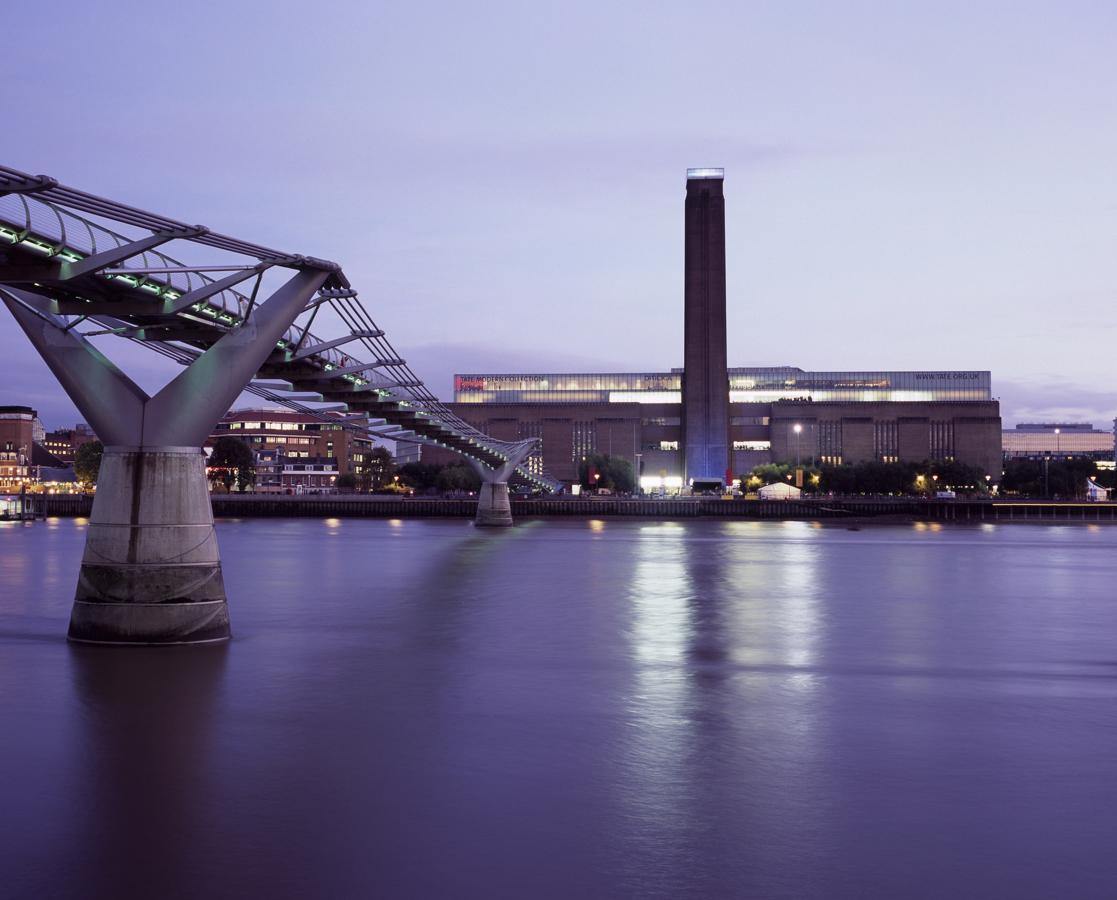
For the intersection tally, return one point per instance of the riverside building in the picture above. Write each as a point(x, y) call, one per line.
point(1068, 440)
point(25, 458)
point(704, 422)
point(298, 451)
point(65, 442)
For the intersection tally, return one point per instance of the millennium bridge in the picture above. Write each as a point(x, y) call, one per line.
point(236, 316)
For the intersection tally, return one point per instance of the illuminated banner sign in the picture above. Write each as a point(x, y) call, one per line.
point(468, 384)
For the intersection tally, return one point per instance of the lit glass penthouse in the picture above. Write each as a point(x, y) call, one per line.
point(1058, 439)
point(746, 385)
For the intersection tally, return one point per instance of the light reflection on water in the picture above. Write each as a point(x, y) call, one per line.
point(577, 708)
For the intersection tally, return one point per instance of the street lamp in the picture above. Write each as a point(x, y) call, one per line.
point(797, 428)
point(1058, 431)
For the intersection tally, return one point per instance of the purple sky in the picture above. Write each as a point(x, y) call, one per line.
point(927, 188)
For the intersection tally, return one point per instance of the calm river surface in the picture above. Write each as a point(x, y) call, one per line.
point(576, 709)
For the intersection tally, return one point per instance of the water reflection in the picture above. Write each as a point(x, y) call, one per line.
point(726, 624)
point(144, 814)
point(691, 709)
point(659, 752)
point(660, 594)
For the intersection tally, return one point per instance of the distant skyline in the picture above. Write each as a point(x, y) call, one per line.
point(906, 188)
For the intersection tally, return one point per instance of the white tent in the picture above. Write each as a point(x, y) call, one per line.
point(1095, 491)
point(781, 490)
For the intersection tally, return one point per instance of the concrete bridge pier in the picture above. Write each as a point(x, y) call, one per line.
point(494, 507)
point(151, 571)
point(493, 504)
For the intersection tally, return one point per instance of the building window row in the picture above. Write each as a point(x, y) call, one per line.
point(942, 440)
point(585, 440)
point(534, 461)
point(271, 426)
point(886, 441)
point(830, 439)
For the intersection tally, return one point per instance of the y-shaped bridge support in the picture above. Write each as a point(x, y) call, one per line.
point(493, 504)
point(151, 573)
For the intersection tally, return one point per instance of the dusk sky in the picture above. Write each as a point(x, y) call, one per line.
point(908, 186)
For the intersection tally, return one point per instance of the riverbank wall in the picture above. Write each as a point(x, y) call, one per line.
point(387, 507)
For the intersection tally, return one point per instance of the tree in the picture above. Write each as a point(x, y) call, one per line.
point(87, 463)
point(838, 479)
point(1048, 478)
point(232, 462)
point(380, 469)
point(1107, 478)
point(420, 475)
point(1022, 476)
point(874, 477)
point(604, 471)
point(346, 481)
point(1074, 475)
point(457, 477)
point(959, 476)
point(769, 473)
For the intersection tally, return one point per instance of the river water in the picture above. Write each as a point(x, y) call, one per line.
point(576, 709)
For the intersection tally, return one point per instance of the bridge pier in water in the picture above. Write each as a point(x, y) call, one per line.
point(494, 506)
point(151, 570)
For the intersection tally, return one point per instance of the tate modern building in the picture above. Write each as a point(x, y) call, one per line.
point(704, 423)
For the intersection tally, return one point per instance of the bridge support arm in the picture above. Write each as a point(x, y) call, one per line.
point(108, 399)
point(184, 412)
